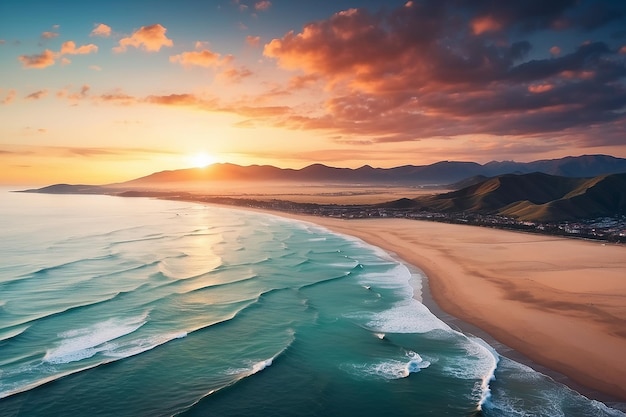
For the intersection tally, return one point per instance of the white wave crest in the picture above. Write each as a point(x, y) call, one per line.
point(408, 316)
point(83, 343)
point(142, 345)
point(390, 368)
point(415, 364)
point(259, 366)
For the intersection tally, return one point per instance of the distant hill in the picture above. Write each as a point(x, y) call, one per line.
point(441, 173)
point(534, 197)
point(69, 189)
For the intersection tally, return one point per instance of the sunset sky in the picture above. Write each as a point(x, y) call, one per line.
point(98, 92)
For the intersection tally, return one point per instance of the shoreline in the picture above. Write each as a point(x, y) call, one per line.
point(591, 375)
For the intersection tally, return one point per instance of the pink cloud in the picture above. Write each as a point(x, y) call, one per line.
point(101, 30)
point(8, 99)
point(149, 38)
point(485, 24)
point(540, 88)
point(555, 50)
point(253, 41)
point(262, 5)
point(42, 60)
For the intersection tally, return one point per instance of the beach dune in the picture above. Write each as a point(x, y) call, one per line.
point(561, 302)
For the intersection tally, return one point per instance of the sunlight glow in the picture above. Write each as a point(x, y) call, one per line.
point(201, 160)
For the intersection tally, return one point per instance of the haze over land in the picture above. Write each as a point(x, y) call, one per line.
point(588, 187)
point(99, 93)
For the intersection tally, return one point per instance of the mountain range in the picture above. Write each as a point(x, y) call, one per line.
point(440, 173)
point(570, 188)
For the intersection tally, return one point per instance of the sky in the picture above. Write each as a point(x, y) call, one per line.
point(99, 92)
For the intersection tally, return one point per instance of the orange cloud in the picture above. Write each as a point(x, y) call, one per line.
point(42, 60)
point(37, 95)
point(302, 81)
point(49, 35)
point(484, 24)
point(555, 50)
point(48, 57)
point(69, 48)
point(204, 58)
point(622, 50)
point(101, 30)
point(262, 5)
point(235, 75)
point(117, 98)
point(74, 96)
point(175, 100)
point(149, 38)
point(253, 41)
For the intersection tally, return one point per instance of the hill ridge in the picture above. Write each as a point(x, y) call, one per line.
point(440, 173)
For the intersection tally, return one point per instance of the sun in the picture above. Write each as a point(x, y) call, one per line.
point(201, 160)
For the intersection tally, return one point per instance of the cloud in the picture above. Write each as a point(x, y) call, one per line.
point(78, 151)
point(69, 48)
point(418, 71)
point(253, 41)
point(42, 60)
point(95, 68)
point(484, 24)
point(235, 75)
point(213, 104)
point(204, 58)
point(74, 96)
point(117, 97)
point(540, 88)
point(49, 35)
point(48, 57)
point(101, 30)
point(8, 99)
point(262, 5)
point(37, 95)
point(149, 38)
point(555, 50)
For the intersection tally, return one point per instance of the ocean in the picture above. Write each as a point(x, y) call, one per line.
point(137, 307)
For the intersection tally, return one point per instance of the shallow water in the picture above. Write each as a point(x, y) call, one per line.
point(136, 307)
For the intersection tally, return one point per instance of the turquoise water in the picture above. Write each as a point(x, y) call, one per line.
point(136, 307)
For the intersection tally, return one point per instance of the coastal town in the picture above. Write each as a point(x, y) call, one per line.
point(610, 229)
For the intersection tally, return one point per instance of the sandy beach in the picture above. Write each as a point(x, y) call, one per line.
point(561, 302)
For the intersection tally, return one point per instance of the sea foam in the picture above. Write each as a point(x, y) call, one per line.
point(83, 343)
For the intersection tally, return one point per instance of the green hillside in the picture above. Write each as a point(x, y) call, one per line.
point(536, 197)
